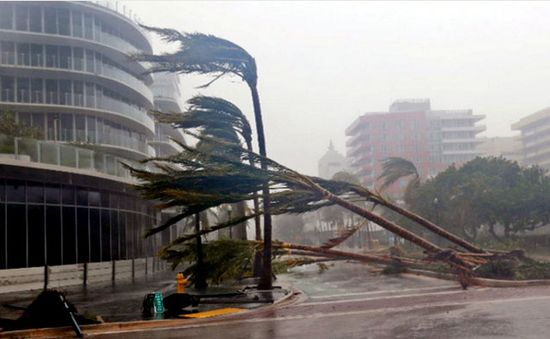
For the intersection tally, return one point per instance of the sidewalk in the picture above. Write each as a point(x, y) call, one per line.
point(123, 301)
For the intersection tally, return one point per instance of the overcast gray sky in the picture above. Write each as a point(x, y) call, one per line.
point(322, 64)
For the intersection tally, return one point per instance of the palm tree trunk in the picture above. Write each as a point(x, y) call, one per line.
point(371, 258)
point(200, 282)
point(429, 225)
point(266, 277)
point(257, 269)
point(390, 226)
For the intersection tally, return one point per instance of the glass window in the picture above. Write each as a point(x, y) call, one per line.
point(52, 194)
point(8, 88)
point(38, 121)
point(88, 26)
point(67, 127)
point(99, 63)
point(78, 93)
point(91, 134)
point(23, 55)
point(35, 16)
point(68, 195)
point(82, 197)
point(95, 235)
point(65, 92)
point(35, 193)
point(78, 59)
point(105, 235)
point(50, 20)
point(97, 30)
point(82, 235)
point(6, 15)
point(77, 24)
point(36, 240)
point(90, 95)
point(93, 198)
point(23, 89)
point(37, 57)
point(53, 235)
point(51, 56)
point(89, 61)
point(52, 122)
point(51, 92)
point(80, 125)
point(69, 236)
point(64, 25)
point(15, 190)
point(8, 52)
point(65, 57)
point(37, 91)
point(105, 199)
point(2, 232)
point(115, 239)
point(16, 228)
point(24, 119)
point(122, 235)
point(21, 18)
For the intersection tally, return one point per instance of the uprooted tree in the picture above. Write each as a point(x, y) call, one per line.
point(194, 181)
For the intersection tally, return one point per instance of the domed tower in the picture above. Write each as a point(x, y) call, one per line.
point(331, 162)
point(79, 104)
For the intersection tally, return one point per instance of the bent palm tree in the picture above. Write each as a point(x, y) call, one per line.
point(395, 168)
point(209, 179)
point(207, 54)
point(220, 119)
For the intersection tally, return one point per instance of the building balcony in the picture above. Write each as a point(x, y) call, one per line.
point(115, 110)
point(473, 152)
point(109, 77)
point(74, 159)
point(106, 46)
point(164, 146)
point(359, 150)
point(168, 104)
point(170, 132)
point(462, 141)
point(477, 129)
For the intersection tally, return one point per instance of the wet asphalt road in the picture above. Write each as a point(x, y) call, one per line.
point(349, 302)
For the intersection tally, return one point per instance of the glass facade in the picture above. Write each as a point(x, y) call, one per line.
point(74, 83)
point(64, 21)
point(43, 223)
point(72, 93)
point(67, 58)
point(84, 128)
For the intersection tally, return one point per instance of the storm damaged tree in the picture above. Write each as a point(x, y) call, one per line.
point(207, 180)
point(222, 120)
point(207, 54)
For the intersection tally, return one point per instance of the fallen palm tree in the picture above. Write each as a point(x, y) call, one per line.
point(196, 181)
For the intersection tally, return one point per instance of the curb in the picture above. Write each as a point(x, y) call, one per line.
point(485, 282)
point(294, 296)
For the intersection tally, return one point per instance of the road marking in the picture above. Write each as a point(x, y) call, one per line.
point(383, 292)
point(343, 301)
point(326, 315)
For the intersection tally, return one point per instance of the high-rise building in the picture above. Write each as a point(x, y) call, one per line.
point(506, 147)
point(431, 139)
point(67, 76)
point(535, 138)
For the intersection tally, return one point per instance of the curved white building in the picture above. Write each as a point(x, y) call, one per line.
point(66, 72)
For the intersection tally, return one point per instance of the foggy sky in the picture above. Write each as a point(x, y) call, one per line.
point(322, 64)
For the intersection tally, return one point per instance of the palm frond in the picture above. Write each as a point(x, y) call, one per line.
point(201, 54)
point(343, 236)
point(395, 168)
